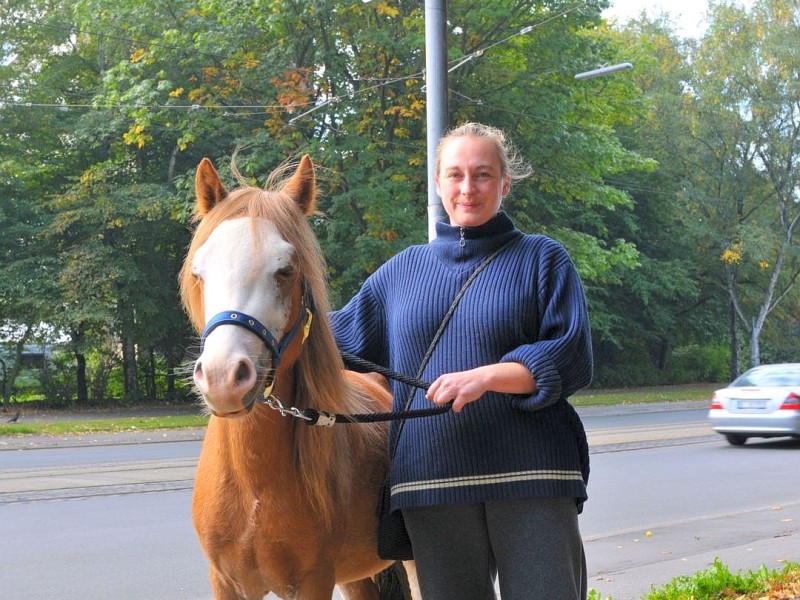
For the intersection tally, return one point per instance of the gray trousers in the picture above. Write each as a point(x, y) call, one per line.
point(532, 545)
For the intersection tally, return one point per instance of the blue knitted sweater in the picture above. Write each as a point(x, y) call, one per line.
point(526, 306)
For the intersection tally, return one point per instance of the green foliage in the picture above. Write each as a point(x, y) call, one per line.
point(743, 120)
point(696, 362)
point(715, 582)
point(56, 379)
point(648, 178)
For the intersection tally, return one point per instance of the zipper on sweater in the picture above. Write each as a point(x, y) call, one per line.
point(461, 241)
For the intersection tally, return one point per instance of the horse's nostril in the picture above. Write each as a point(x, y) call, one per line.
point(243, 372)
point(198, 369)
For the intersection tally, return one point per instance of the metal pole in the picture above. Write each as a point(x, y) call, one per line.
point(436, 98)
point(3, 389)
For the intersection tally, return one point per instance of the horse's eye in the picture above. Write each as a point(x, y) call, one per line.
point(285, 273)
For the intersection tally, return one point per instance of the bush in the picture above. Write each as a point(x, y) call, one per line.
point(693, 363)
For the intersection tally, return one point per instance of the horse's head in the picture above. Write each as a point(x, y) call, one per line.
point(245, 284)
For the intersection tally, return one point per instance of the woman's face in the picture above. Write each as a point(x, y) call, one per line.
point(470, 181)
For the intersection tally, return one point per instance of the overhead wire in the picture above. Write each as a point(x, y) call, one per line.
point(268, 107)
point(254, 109)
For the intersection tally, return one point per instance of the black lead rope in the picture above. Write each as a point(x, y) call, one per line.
point(364, 366)
point(312, 416)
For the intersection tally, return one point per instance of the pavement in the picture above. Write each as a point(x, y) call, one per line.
point(22, 442)
point(632, 562)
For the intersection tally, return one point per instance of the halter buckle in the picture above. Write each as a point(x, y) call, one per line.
point(307, 324)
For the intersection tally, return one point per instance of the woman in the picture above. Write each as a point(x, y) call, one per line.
point(493, 488)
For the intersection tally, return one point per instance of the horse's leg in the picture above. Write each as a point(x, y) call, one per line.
point(317, 586)
point(363, 589)
point(222, 588)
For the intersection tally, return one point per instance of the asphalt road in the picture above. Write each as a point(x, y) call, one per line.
point(108, 516)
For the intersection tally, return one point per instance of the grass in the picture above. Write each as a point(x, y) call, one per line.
point(718, 583)
point(670, 393)
point(110, 425)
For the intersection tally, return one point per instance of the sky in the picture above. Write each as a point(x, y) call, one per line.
point(688, 15)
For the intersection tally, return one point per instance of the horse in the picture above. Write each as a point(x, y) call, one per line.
point(278, 506)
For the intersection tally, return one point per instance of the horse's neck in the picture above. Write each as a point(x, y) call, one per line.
point(261, 437)
point(264, 437)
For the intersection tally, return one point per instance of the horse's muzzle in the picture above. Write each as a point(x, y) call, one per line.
point(245, 410)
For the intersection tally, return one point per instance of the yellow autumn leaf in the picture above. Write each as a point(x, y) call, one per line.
point(384, 9)
point(138, 55)
point(731, 257)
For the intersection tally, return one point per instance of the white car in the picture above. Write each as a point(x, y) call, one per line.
point(762, 402)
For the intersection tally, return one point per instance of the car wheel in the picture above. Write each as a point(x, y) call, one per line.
point(736, 439)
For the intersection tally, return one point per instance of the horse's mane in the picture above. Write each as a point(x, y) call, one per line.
point(321, 453)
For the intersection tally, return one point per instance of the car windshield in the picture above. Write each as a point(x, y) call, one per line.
point(769, 377)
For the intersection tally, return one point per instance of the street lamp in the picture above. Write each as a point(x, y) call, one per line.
point(604, 70)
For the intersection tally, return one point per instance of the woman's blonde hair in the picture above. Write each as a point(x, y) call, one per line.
point(511, 162)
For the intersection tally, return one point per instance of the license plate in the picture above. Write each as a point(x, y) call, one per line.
point(745, 404)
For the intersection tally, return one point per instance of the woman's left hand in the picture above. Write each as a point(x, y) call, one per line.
point(463, 387)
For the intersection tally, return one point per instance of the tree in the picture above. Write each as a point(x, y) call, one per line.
point(746, 110)
point(109, 107)
point(39, 75)
point(106, 246)
point(663, 319)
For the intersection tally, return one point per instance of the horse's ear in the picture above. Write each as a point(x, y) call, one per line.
point(208, 187)
point(302, 185)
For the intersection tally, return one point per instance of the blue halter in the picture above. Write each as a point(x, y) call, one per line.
point(254, 326)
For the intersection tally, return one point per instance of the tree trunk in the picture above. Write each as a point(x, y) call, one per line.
point(733, 324)
point(663, 354)
point(755, 350)
point(83, 386)
point(150, 376)
point(6, 387)
point(172, 363)
point(129, 370)
point(81, 378)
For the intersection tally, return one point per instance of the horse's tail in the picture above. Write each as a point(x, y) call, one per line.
point(393, 583)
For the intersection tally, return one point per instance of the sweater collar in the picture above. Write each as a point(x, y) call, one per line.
point(461, 247)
